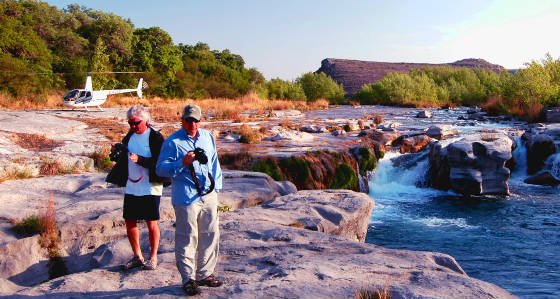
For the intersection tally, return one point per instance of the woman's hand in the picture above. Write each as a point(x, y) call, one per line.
point(133, 157)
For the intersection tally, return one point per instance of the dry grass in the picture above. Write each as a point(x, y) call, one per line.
point(249, 135)
point(35, 142)
point(296, 224)
point(50, 240)
point(17, 174)
point(373, 294)
point(26, 227)
point(51, 101)
point(101, 159)
point(112, 129)
point(169, 110)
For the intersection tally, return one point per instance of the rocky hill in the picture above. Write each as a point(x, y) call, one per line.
point(352, 74)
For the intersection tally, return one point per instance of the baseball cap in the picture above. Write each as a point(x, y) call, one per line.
point(192, 111)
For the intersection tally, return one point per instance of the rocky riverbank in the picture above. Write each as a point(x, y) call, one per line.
point(276, 241)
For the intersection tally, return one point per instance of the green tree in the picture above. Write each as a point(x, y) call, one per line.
point(316, 86)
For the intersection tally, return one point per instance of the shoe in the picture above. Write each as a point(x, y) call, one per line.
point(210, 281)
point(133, 263)
point(150, 265)
point(191, 288)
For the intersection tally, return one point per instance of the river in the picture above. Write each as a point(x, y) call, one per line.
point(511, 241)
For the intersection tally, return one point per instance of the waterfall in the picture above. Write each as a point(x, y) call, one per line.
point(520, 157)
point(407, 178)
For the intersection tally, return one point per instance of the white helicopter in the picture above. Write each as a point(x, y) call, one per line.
point(88, 97)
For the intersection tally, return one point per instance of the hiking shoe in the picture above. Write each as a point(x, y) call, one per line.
point(150, 265)
point(191, 288)
point(133, 263)
point(210, 281)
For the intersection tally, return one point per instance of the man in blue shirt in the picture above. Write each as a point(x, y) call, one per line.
point(190, 159)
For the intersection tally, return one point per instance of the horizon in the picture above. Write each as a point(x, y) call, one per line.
point(289, 39)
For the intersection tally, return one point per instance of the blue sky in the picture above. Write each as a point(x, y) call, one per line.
point(288, 38)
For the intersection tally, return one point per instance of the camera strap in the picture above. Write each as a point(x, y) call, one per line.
point(197, 184)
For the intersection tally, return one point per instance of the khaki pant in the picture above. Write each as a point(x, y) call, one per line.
point(197, 238)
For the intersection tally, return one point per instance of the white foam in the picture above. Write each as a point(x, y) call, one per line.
point(441, 222)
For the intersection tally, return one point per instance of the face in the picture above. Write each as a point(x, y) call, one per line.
point(191, 127)
point(137, 125)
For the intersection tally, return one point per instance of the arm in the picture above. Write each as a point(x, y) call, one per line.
point(169, 164)
point(155, 149)
point(216, 168)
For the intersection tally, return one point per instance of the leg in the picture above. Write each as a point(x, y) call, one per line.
point(134, 237)
point(186, 239)
point(209, 237)
point(154, 235)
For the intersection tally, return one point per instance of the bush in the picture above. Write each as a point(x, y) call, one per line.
point(27, 227)
point(344, 178)
point(270, 167)
point(248, 135)
point(367, 161)
point(316, 86)
point(295, 169)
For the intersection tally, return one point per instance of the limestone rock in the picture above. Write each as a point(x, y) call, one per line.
point(383, 137)
point(414, 144)
point(246, 189)
point(441, 131)
point(476, 166)
point(539, 148)
point(542, 178)
point(291, 136)
point(424, 114)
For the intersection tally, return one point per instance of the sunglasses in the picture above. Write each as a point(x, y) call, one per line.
point(191, 120)
point(134, 123)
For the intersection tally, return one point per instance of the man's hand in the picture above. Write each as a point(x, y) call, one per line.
point(188, 159)
point(133, 157)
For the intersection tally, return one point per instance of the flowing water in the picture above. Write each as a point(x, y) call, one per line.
point(513, 241)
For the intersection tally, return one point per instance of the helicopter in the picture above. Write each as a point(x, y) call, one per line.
point(87, 97)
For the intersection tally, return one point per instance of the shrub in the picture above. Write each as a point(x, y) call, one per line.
point(295, 169)
point(270, 167)
point(344, 178)
point(101, 159)
point(50, 240)
point(53, 167)
point(224, 208)
point(373, 294)
point(238, 161)
point(27, 227)
point(317, 86)
point(248, 134)
point(367, 161)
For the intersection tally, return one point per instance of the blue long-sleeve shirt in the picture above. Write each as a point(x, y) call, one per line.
point(170, 164)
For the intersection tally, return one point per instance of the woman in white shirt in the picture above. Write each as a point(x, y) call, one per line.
point(143, 187)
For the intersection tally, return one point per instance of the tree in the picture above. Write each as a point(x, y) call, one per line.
point(316, 86)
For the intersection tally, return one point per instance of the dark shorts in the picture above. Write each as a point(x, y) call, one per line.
point(141, 207)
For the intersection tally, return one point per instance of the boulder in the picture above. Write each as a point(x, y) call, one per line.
point(285, 113)
point(246, 189)
point(424, 114)
point(539, 148)
point(338, 132)
point(542, 178)
point(552, 115)
point(389, 126)
point(313, 129)
point(472, 166)
point(383, 137)
point(414, 144)
point(290, 135)
point(441, 131)
point(337, 212)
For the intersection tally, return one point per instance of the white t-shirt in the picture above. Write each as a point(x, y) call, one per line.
point(138, 182)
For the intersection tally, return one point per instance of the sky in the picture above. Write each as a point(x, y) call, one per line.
point(287, 38)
